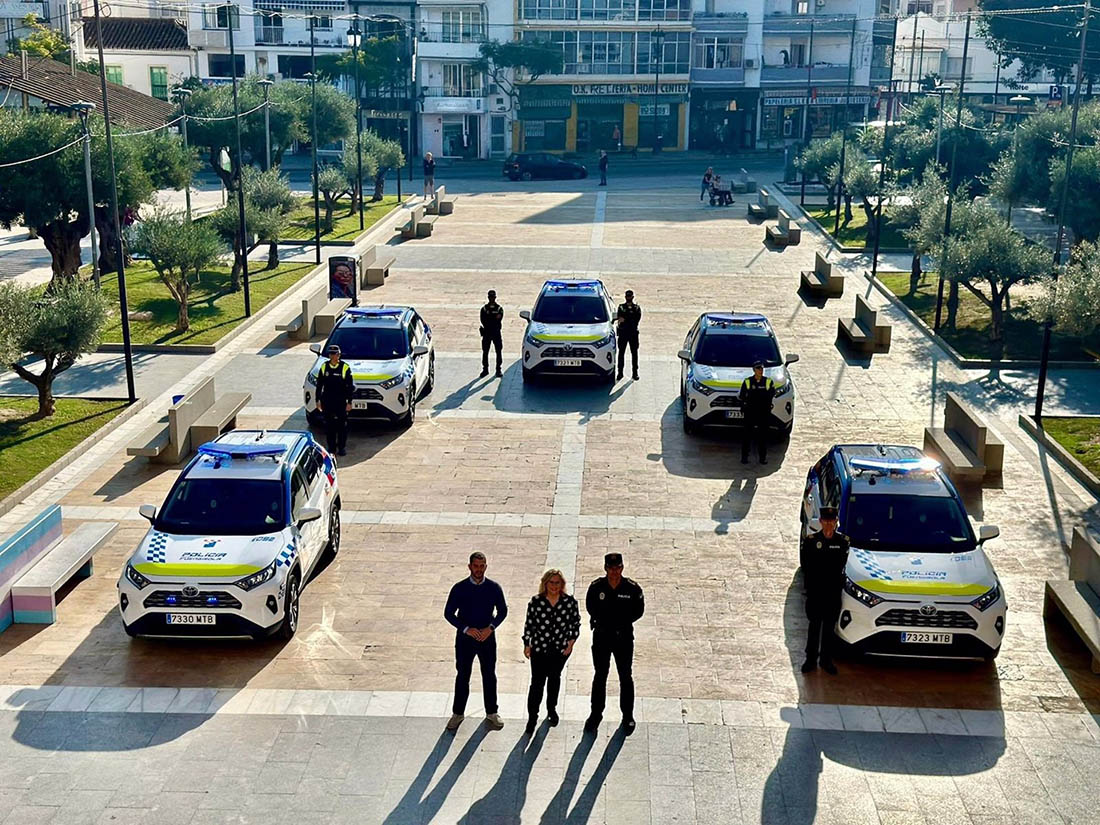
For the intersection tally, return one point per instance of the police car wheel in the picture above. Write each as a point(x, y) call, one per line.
point(410, 416)
point(528, 376)
point(690, 427)
point(990, 657)
point(527, 176)
point(787, 428)
point(334, 531)
point(289, 625)
point(430, 383)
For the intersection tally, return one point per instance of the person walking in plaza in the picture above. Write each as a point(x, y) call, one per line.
point(335, 389)
point(707, 177)
point(614, 603)
point(603, 167)
point(627, 318)
point(757, 392)
point(824, 556)
point(552, 626)
point(429, 176)
point(617, 138)
point(492, 317)
point(476, 608)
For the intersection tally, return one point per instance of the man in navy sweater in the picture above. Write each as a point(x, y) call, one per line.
point(476, 608)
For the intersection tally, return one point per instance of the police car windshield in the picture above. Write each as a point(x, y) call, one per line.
point(907, 523)
point(363, 343)
point(721, 349)
point(230, 507)
point(570, 309)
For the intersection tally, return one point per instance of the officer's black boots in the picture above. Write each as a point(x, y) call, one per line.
point(628, 726)
point(484, 371)
point(809, 666)
point(552, 717)
point(592, 722)
point(828, 666)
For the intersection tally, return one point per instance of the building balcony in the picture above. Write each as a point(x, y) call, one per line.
point(732, 76)
point(269, 35)
point(281, 36)
point(721, 22)
point(781, 75)
point(440, 47)
point(799, 24)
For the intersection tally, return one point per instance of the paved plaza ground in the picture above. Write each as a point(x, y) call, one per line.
point(345, 723)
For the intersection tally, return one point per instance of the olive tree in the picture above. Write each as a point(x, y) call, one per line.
point(331, 182)
point(269, 191)
point(385, 155)
point(1072, 301)
point(820, 161)
point(261, 226)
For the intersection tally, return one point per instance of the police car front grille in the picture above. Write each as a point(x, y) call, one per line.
point(562, 352)
point(368, 392)
point(914, 618)
point(726, 401)
point(175, 598)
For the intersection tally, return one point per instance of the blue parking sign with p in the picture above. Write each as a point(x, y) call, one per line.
point(1056, 93)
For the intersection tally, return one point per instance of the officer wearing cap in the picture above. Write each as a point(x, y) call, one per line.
point(335, 389)
point(757, 392)
point(627, 317)
point(614, 603)
point(492, 317)
point(824, 555)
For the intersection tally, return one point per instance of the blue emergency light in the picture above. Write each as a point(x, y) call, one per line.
point(573, 285)
point(374, 312)
point(895, 465)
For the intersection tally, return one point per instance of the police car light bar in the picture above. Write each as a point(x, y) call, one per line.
point(573, 284)
point(247, 451)
point(374, 312)
point(896, 465)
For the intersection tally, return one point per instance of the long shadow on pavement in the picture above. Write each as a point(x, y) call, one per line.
point(557, 812)
point(413, 808)
point(504, 802)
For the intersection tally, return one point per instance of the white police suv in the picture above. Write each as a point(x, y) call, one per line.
point(569, 331)
point(237, 538)
point(718, 354)
point(918, 582)
point(390, 352)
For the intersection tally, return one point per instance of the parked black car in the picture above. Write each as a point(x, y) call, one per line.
point(531, 165)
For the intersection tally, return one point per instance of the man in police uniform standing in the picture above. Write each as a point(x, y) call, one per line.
point(757, 392)
point(824, 556)
point(627, 318)
point(335, 389)
point(492, 316)
point(614, 603)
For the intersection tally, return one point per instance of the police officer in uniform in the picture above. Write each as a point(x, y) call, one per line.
point(335, 389)
point(614, 603)
point(628, 316)
point(492, 316)
point(757, 392)
point(824, 556)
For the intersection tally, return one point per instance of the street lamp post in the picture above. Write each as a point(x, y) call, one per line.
point(238, 162)
point(354, 36)
point(313, 137)
point(1019, 100)
point(182, 96)
point(658, 54)
point(941, 89)
point(266, 84)
point(83, 109)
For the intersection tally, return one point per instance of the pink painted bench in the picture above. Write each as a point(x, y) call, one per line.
point(34, 595)
point(21, 551)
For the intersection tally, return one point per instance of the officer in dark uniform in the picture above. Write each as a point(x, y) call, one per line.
point(492, 316)
point(757, 392)
point(335, 389)
point(628, 316)
point(614, 603)
point(824, 556)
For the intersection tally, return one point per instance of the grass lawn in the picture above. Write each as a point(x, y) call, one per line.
point(854, 233)
point(213, 309)
point(29, 445)
point(1023, 336)
point(1080, 437)
point(345, 227)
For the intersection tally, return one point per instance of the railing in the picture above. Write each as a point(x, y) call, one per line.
point(269, 35)
point(798, 74)
point(732, 74)
point(438, 33)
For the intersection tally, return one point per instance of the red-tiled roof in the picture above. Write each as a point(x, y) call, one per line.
point(54, 83)
point(145, 34)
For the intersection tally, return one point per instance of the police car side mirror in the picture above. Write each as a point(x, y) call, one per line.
point(315, 349)
point(420, 350)
point(987, 532)
point(525, 314)
point(813, 525)
point(149, 512)
point(684, 355)
point(791, 358)
point(308, 514)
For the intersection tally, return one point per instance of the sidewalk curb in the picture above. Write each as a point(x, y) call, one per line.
point(1070, 464)
point(11, 500)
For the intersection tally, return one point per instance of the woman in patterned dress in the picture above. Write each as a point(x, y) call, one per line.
point(552, 626)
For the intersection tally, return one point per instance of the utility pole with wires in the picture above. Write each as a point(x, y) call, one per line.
point(83, 110)
point(238, 163)
point(912, 61)
point(883, 159)
point(182, 96)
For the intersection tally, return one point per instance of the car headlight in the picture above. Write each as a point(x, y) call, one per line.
point(256, 579)
point(396, 381)
point(603, 342)
point(136, 579)
point(864, 597)
point(533, 341)
point(989, 597)
point(700, 387)
point(784, 389)
point(311, 378)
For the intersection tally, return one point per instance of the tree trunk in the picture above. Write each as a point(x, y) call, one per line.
point(914, 274)
point(224, 175)
point(997, 327)
point(273, 255)
point(952, 304)
point(847, 208)
point(183, 323)
point(43, 382)
point(379, 186)
point(872, 224)
point(330, 205)
point(62, 239)
point(830, 198)
point(105, 226)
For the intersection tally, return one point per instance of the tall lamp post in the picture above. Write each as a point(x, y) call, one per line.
point(354, 35)
point(182, 96)
point(1019, 100)
point(266, 84)
point(658, 54)
point(83, 110)
point(238, 163)
point(312, 76)
point(941, 90)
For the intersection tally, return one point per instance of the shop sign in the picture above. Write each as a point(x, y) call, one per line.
point(383, 114)
point(597, 89)
point(646, 110)
point(819, 100)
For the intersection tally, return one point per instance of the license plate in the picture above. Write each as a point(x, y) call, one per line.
point(917, 638)
point(190, 618)
point(359, 405)
point(567, 362)
point(734, 414)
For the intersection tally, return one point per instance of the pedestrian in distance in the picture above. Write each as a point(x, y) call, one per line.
point(824, 556)
point(614, 603)
point(617, 138)
point(603, 167)
point(429, 176)
point(627, 318)
point(492, 317)
point(335, 389)
point(476, 608)
point(552, 626)
point(757, 392)
point(707, 177)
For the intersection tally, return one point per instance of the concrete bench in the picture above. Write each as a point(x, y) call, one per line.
point(742, 182)
point(169, 440)
point(20, 551)
point(34, 596)
point(408, 229)
point(221, 416)
point(763, 208)
point(301, 326)
point(863, 332)
point(1078, 599)
point(325, 320)
point(425, 225)
point(440, 204)
point(785, 233)
point(964, 444)
point(820, 281)
point(374, 265)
